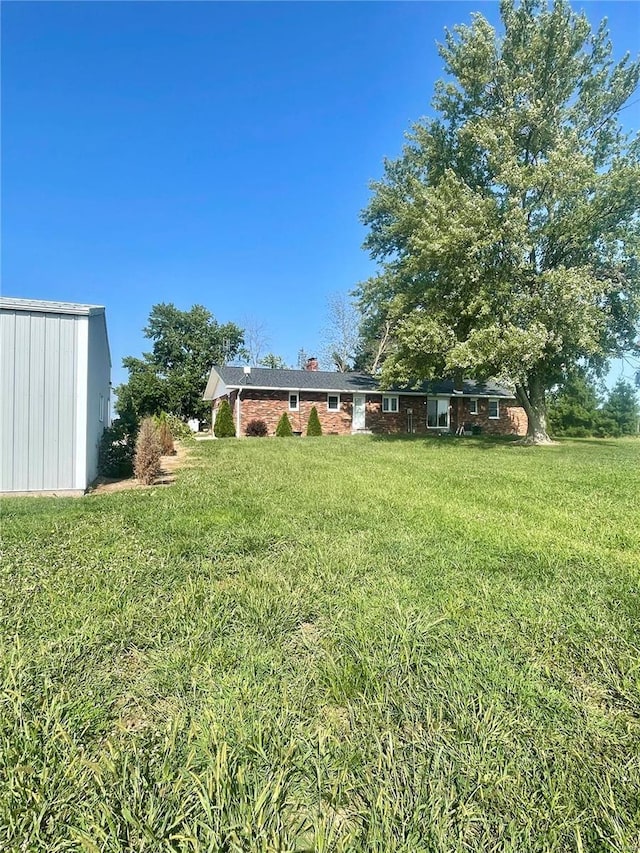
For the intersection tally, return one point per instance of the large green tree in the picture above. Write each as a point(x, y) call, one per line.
point(622, 407)
point(508, 230)
point(574, 407)
point(172, 377)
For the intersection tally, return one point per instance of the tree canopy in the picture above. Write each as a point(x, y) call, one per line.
point(508, 230)
point(340, 335)
point(577, 408)
point(622, 407)
point(275, 362)
point(172, 377)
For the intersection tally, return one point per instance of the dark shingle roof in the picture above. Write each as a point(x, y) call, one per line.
point(319, 380)
point(324, 380)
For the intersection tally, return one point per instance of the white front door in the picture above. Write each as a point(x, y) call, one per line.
point(359, 412)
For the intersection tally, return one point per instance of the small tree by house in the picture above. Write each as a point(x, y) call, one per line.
point(283, 430)
point(313, 424)
point(146, 464)
point(224, 426)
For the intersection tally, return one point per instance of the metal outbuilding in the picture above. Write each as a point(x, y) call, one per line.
point(55, 382)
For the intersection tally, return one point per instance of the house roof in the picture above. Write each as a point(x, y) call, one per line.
point(10, 303)
point(223, 378)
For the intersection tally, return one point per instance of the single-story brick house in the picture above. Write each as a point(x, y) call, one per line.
point(351, 403)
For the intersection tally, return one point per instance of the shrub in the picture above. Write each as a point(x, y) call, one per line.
point(313, 424)
point(115, 452)
point(224, 426)
point(148, 451)
point(283, 430)
point(256, 427)
point(179, 429)
point(165, 434)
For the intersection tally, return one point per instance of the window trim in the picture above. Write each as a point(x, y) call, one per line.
point(295, 408)
point(495, 400)
point(101, 409)
point(387, 398)
point(473, 401)
point(337, 408)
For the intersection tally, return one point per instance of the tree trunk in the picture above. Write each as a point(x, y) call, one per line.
point(534, 404)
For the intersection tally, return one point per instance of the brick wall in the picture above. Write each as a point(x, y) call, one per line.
point(269, 406)
point(512, 419)
point(393, 423)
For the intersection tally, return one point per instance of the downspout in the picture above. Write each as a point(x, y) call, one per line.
point(238, 413)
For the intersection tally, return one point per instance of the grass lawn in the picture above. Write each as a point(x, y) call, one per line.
point(335, 644)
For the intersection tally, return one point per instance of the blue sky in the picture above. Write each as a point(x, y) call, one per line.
point(212, 153)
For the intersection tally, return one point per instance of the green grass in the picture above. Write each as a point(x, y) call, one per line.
point(329, 644)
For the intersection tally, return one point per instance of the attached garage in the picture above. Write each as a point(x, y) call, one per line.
point(55, 382)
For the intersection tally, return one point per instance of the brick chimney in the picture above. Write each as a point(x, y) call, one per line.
point(312, 364)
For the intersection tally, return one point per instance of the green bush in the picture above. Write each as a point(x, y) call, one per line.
point(115, 452)
point(283, 430)
point(146, 464)
point(313, 424)
point(179, 429)
point(224, 426)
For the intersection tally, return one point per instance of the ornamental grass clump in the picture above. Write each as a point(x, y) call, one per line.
point(224, 426)
point(146, 464)
point(165, 434)
point(313, 424)
point(283, 430)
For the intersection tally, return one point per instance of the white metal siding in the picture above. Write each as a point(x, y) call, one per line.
point(38, 400)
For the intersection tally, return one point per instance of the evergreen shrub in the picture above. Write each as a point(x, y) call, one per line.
point(313, 424)
point(224, 426)
point(283, 430)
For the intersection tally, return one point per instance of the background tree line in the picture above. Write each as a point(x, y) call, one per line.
point(577, 408)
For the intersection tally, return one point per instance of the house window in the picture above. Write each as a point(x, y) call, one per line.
point(494, 409)
point(473, 406)
point(437, 413)
point(389, 403)
point(333, 402)
point(293, 401)
point(101, 409)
